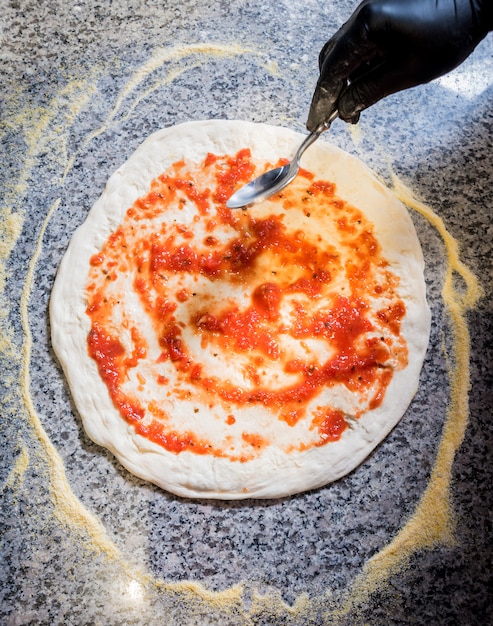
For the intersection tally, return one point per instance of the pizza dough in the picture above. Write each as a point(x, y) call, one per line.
point(241, 354)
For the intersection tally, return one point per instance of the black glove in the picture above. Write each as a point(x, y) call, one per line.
point(389, 45)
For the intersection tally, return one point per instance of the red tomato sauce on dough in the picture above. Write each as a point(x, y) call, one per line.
point(282, 270)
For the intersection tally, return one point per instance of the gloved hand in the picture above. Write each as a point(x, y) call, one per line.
point(390, 45)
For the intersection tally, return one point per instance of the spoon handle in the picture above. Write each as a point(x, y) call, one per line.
point(314, 136)
point(309, 139)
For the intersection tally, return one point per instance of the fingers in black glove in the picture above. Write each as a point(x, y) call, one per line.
point(390, 45)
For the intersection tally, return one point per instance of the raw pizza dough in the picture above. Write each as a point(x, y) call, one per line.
point(241, 354)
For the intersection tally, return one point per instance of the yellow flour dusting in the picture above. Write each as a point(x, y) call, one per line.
point(16, 475)
point(272, 67)
point(155, 62)
point(231, 598)
point(44, 128)
point(207, 50)
point(67, 507)
point(39, 133)
point(10, 229)
point(169, 78)
point(275, 605)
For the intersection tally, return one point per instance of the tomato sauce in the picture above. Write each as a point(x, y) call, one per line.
point(298, 288)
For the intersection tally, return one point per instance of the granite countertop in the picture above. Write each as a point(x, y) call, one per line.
point(83, 541)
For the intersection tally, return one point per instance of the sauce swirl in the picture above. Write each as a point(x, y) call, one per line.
point(221, 332)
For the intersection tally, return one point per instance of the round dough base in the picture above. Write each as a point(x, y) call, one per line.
point(274, 473)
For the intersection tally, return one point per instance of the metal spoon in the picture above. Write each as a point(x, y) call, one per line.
point(274, 180)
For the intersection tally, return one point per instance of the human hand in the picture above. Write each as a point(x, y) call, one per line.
point(390, 45)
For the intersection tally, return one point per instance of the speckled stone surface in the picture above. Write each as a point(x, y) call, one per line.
point(82, 84)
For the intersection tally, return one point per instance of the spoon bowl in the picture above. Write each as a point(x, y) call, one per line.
point(273, 181)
